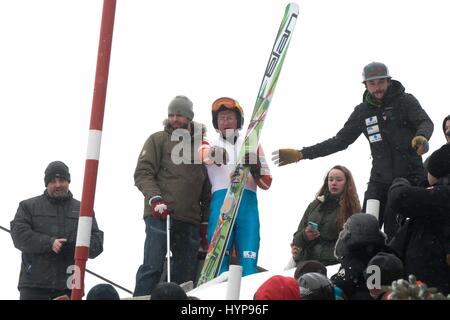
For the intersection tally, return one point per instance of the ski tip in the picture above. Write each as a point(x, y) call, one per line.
point(292, 6)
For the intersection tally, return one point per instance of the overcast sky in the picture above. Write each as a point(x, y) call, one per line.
point(203, 49)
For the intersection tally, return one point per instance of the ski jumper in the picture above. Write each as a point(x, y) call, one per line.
point(245, 233)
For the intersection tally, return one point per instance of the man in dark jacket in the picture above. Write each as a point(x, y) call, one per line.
point(172, 179)
point(45, 230)
point(425, 248)
point(397, 128)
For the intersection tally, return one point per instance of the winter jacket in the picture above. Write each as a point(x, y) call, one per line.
point(37, 223)
point(323, 211)
point(426, 249)
point(350, 277)
point(185, 185)
point(389, 128)
point(359, 241)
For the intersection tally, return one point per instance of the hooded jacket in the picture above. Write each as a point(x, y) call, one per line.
point(359, 241)
point(36, 225)
point(182, 181)
point(389, 128)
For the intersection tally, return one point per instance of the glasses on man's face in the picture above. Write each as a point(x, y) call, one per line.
point(226, 119)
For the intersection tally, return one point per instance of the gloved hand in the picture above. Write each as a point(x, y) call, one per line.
point(251, 159)
point(420, 144)
point(159, 207)
point(219, 155)
point(286, 156)
point(399, 182)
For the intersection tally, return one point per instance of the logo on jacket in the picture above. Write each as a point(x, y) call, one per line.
point(373, 129)
point(375, 138)
point(371, 121)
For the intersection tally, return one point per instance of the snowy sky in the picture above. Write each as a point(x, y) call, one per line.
point(205, 50)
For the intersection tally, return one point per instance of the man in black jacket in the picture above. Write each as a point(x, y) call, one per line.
point(45, 230)
point(397, 128)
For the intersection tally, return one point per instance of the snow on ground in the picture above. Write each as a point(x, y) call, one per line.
point(249, 285)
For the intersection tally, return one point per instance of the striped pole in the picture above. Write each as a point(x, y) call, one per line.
point(93, 149)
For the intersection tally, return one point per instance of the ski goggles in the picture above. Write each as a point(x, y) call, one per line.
point(228, 103)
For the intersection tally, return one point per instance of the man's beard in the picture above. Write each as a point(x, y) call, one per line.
point(179, 125)
point(59, 194)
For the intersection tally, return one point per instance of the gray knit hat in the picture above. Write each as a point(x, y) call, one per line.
point(181, 105)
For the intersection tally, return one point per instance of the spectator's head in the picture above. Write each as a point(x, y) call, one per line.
point(382, 270)
point(360, 230)
point(375, 71)
point(103, 291)
point(168, 291)
point(316, 286)
point(57, 179)
point(446, 128)
point(180, 112)
point(340, 184)
point(309, 266)
point(439, 164)
point(278, 288)
point(377, 80)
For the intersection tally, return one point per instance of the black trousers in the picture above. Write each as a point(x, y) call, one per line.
point(379, 191)
point(41, 293)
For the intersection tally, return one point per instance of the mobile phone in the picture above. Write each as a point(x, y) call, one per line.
point(313, 225)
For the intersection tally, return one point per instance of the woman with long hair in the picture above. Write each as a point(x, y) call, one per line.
point(324, 218)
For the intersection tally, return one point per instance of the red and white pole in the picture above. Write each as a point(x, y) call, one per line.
point(93, 149)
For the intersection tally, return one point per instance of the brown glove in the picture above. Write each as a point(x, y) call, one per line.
point(283, 157)
point(420, 144)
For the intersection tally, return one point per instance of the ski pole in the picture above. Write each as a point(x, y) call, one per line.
point(168, 246)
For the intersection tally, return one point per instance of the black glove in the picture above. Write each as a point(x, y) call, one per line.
point(399, 182)
point(251, 159)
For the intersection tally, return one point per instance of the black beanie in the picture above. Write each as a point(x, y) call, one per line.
point(103, 291)
point(56, 169)
point(439, 162)
point(391, 268)
point(168, 291)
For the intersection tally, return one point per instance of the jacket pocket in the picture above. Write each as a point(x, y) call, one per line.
point(45, 221)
